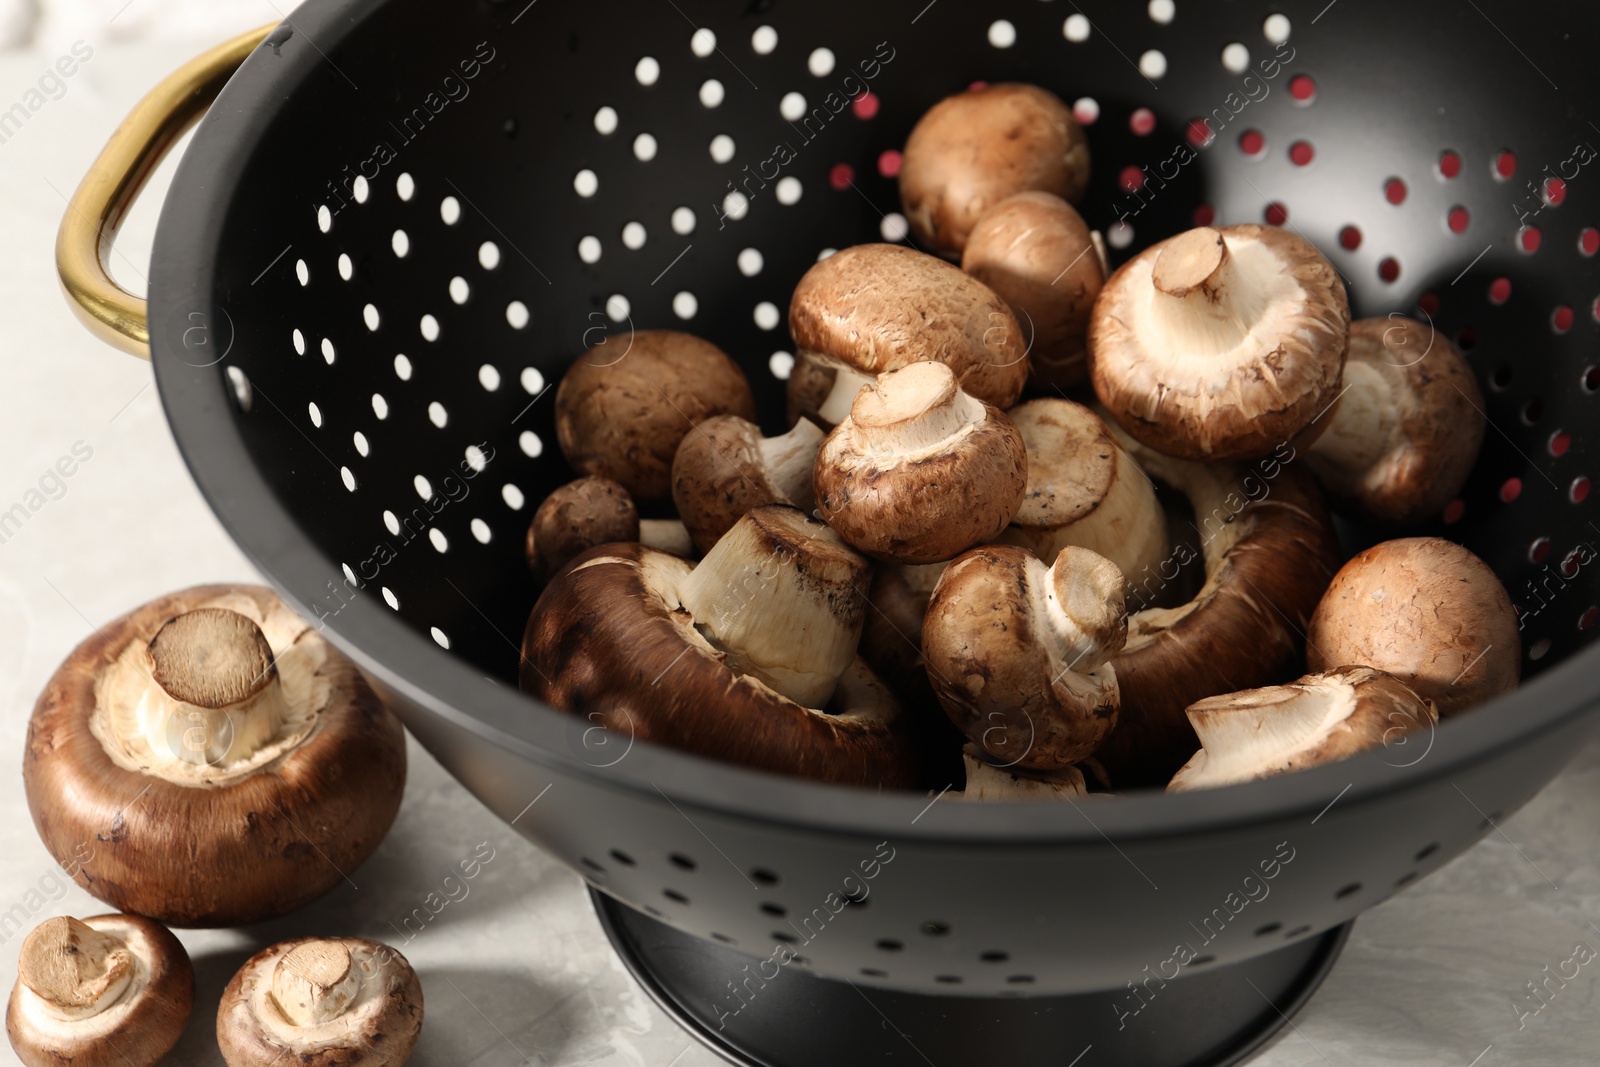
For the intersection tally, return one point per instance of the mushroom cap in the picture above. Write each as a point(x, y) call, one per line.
point(1034, 250)
point(575, 518)
point(810, 382)
point(920, 470)
point(377, 1028)
point(1220, 344)
point(1404, 436)
point(880, 307)
point(1017, 652)
point(1319, 719)
point(138, 1027)
point(1269, 552)
point(622, 415)
point(255, 843)
point(610, 627)
point(725, 467)
point(974, 149)
point(1427, 611)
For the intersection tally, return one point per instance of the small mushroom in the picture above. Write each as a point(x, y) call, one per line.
point(594, 511)
point(229, 763)
point(321, 1002)
point(974, 149)
point(621, 414)
point(748, 657)
point(1018, 652)
point(1220, 344)
point(1428, 612)
point(1406, 431)
point(1084, 490)
point(107, 991)
point(920, 470)
point(1035, 251)
point(725, 467)
point(876, 308)
point(991, 783)
point(1319, 719)
point(1269, 551)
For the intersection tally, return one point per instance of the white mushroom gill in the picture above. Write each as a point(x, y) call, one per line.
point(1244, 734)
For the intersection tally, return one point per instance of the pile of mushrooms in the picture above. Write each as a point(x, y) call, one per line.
point(945, 568)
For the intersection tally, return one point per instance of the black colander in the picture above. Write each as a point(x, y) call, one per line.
point(400, 221)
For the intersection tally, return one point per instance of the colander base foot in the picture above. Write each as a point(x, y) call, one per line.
point(1210, 1019)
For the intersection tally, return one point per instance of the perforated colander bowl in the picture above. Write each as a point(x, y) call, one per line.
point(400, 221)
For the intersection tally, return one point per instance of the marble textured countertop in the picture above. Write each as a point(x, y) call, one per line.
point(518, 970)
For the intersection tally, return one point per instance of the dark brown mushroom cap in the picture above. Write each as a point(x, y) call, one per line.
point(379, 1028)
point(1427, 611)
point(974, 149)
point(926, 500)
point(575, 518)
point(1321, 718)
point(880, 307)
point(608, 629)
point(1220, 344)
point(1269, 551)
point(136, 1030)
point(249, 848)
point(1028, 693)
point(1405, 434)
point(725, 467)
point(623, 406)
point(1034, 250)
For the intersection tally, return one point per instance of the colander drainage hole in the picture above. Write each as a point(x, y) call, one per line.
point(682, 862)
point(1427, 850)
point(995, 957)
point(724, 938)
point(623, 858)
point(1405, 879)
point(1348, 891)
point(675, 896)
point(1298, 931)
point(784, 936)
point(948, 979)
point(1020, 979)
point(777, 911)
point(935, 929)
point(651, 909)
point(762, 876)
point(890, 945)
point(1201, 961)
point(873, 972)
point(1591, 380)
point(1270, 928)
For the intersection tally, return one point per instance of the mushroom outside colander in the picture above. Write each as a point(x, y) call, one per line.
point(400, 221)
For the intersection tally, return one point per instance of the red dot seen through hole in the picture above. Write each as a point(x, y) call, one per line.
point(1428, 304)
point(1560, 442)
point(889, 163)
point(1301, 153)
point(1529, 238)
point(1302, 88)
point(1276, 214)
point(1350, 238)
point(1142, 121)
point(1389, 269)
point(1449, 164)
point(841, 175)
point(1500, 290)
point(1505, 165)
point(1589, 241)
point(1539, 551)
point(1131, 179)
point(1205, 215)
point(1561, 319)
point(1555, 191)
point(1510, 489)
point(1579, 491)
point(1589, 617)
point(1453, 512)
point(1252, 142)
point(865, 106)
point(1394, 191)
point(1458, 219)
point(1199, 132)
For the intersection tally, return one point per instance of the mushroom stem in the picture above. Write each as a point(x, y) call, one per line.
point(1204, 296)
point(314, 983)
point(1361, 425)
point(666, 535)
point(76, 970)
point(789, 460)
point(217, 697)
point(986, 782)
point(914, 411)
point(847, 384)
point(785, 599)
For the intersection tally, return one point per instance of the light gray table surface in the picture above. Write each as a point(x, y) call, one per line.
point(518, 971)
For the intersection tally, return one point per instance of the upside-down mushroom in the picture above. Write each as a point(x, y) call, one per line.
point(106, 991)
point(1318, 719)
point(229, 763)
point(724, 467)
point(988, 782)
point(1035, 251)
point(1018, 652)
point(1084, 490)
point(974, 149)
point(1269, 551)
point(1406, 431)
point(624, 405)
point(321, 1002)
point(748, 657)
point(1427, 611)
point(594, 511)
point(1220, 344)
point(876, 308)
point(920, 470)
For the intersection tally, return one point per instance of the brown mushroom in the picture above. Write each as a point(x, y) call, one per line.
point(748, 657)
point(1018, 652)
point(1084, 490)
point(974, 149)
point(1406, 431)
point(920, 470)
point(1035, 251)
point(991, 783)
point(321, 1002)
point(107, 991)
point(1269, 551)
point(725, 467)
point(1220, 344)
point(621, 414)
point(229, 763)
point(594, 511)
point(1318, 719)
point(876, 308)
point(1428, 612)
